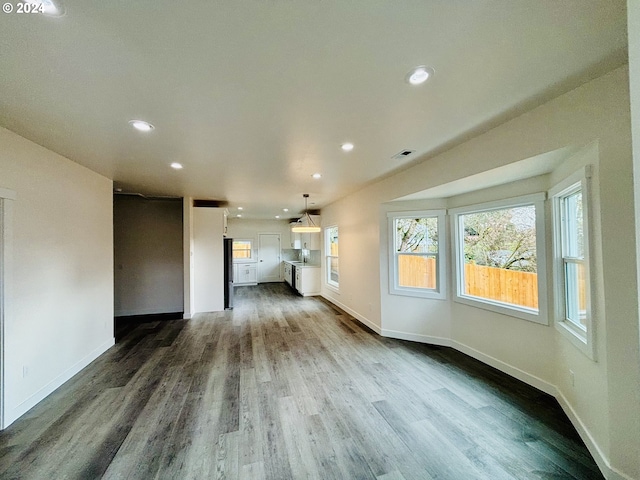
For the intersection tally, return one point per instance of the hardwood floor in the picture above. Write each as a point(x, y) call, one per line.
point(285, 387)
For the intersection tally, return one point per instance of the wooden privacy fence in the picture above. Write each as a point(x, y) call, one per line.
point(509, 286)
point(416, 271)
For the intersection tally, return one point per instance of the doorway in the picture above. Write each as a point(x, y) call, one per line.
point(269, 258)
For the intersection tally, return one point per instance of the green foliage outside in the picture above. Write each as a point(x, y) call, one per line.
point(417, 235)
point(501, 238)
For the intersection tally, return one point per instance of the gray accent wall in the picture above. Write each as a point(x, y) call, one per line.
point(148, 256)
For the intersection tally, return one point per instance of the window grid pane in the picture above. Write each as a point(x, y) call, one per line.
point(575, 293)
point(333, 271)
point(417, 271)
point(242, 249)
point(416, 235)
point(331, 253)
point(573, 225)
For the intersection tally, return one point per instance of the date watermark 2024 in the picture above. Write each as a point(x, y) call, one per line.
point(21, 7)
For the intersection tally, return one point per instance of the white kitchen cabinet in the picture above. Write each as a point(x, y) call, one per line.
point(311, 241)
point(296, 238)
point(287, 273)
point(245, 274)
point(308, 280)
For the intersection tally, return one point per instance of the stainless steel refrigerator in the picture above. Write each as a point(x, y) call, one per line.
point(228, 273)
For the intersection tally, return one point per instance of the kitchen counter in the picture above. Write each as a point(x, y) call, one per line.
point(298, 264)
point(304, 278)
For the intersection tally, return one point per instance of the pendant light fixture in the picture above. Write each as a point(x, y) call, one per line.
point(305, 224)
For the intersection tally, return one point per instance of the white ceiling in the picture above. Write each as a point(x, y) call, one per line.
point(254, 96)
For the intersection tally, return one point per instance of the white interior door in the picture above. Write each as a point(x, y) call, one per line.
point(269, 258)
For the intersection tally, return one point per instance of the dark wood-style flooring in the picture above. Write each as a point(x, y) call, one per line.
point(285, 387)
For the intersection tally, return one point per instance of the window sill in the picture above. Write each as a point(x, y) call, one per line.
point(577, 338)
point(332, 287)
point(522, 313)
point(419, 293)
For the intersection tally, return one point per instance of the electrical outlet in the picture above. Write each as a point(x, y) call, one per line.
point(572, 378)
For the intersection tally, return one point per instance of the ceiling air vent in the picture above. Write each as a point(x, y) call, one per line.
point(210, 203)
point(402, 154)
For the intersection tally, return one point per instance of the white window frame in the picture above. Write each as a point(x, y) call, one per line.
point(537, 316)
point(327, 263)
point(440, 292)
point(582, 339)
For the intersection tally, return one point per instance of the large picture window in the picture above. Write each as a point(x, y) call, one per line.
point(498, 246)
point(331, 256)
point(416, 248)
point(571, 260)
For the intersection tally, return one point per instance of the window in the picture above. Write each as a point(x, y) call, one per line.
point(417, 248)
point(571, 260)
point(331, 255)
point(498, 245)
point(242, 250)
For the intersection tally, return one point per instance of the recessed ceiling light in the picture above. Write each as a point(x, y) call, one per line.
point(419, 75)
point(141, 125)
point(176, 165)
point(317, 175)
point(238, 215)
point(277, 216)
point(240, 208)
point(347, 147)
point(285, 209)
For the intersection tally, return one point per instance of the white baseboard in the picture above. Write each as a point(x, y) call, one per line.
point(361, 318)
point(506, 368)
point(12, 414)
point(489, 360)
point(414, 337)
point(607, 470)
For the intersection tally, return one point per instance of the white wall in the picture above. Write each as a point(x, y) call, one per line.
point(208, 260)
point(357, 217)
point(246, 229)
point(633, 16)
point(148, 251)
point(59, 309)
point(604, 402)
